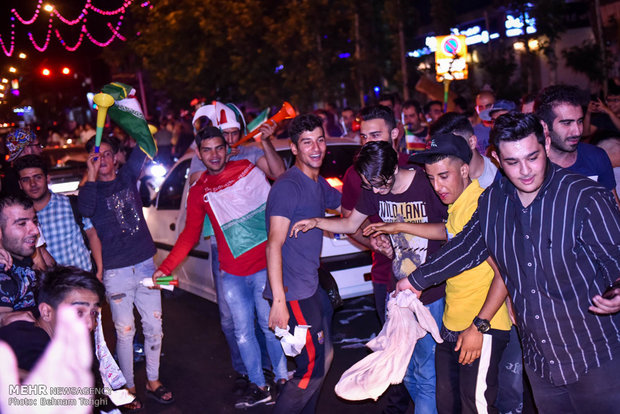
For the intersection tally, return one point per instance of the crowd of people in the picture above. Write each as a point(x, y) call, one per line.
point(504, 222)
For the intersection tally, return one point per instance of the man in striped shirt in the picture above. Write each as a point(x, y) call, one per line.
point(555, 237)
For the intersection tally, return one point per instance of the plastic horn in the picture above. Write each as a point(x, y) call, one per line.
point(103, 101)
point(286, 112)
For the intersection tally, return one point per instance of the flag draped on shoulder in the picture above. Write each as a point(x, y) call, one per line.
point(127, 113)
point(242, 218)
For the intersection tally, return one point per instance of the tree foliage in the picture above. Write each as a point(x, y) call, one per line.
point(264, 51)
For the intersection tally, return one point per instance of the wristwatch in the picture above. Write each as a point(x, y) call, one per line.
point(483, 325)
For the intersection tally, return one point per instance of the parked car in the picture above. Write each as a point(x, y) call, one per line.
point(348, 263)
point(67, 165)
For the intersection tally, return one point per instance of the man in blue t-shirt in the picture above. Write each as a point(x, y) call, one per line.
point(560, 108)
point(292, 263)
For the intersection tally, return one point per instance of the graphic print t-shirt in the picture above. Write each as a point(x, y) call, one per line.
point(417, 204)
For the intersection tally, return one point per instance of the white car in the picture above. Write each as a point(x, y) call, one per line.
point(348, 263)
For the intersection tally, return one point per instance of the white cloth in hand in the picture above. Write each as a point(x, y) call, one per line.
point(292, 344)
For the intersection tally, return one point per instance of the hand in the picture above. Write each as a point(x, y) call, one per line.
point(598, 106)
point(278, 315)
point(233, 151)
point(376, 229)
point(65, 363)
point(267, 129)
point(304, 226)
point(470, 344)
point(381, 244)
point(93, 163)
point(6, 259)
point(604, 306)
point(100, 275)
point(158, 273)
point(404, 284)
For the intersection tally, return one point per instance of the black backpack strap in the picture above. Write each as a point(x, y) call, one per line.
point(78, 218)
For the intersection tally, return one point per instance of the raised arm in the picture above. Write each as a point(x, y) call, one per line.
point(271, 164)
point(278, 229)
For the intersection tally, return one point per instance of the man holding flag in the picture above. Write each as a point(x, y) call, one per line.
point(234, 194)
point(112, 202)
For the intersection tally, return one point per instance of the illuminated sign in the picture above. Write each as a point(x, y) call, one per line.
point(514, 25)
point(450, 57)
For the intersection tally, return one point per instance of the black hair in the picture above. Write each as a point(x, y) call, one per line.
point(452, 123)
point(555, 95)
point(208, 132)
point(411, 103)
point(514, 126)
point(376, 161)
point(461, 103)
point(54, 285)
point(369, 113)
point(387, 97)
point(112, 141)
point(30, 161)
point(12, 200)
point(303, 123)
point(427, 107)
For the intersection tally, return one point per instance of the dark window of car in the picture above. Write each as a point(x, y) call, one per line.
point(338, 159)
point(171, 191)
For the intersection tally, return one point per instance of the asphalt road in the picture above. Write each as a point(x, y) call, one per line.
point(196, 363)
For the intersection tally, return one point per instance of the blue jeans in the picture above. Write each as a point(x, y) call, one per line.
point(123, 291)
point(510, 377)
point(420, 376)
point(244, 295)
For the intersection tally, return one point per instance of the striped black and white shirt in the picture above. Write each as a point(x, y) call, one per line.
point(554, 256)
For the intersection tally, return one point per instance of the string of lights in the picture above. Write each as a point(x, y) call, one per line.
point(81, 19)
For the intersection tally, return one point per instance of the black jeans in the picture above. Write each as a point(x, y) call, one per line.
point(597, 391)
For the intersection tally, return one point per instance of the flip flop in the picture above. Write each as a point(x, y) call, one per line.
point(132, 407)
point(159, 393)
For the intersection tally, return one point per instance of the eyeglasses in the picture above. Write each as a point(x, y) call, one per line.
point(382, 184)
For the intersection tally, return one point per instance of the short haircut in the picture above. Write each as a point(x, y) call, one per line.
point(376, 161)
point(208, 132)
point(348, 108)
point(452, 123)
point(303, 123)
point(12, 200)
point(555, 95)
point(387, 97)
point(54, 285)
point(112, 141)
point(427, 107)
point(30, 161)
point(440, 157)
point(369, 113)
point(410, 103)
point(514, 126)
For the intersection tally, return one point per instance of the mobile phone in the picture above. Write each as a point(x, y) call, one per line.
point(611, 291)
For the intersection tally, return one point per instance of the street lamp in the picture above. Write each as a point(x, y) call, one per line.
point(12, 69)
point(22, 55)
point(48, 8)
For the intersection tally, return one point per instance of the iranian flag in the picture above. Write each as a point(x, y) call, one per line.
point(242, 218)
point(127, 113)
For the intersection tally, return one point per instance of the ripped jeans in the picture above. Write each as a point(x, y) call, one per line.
point(123, 290)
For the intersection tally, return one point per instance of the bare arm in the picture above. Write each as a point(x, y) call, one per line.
point(357, 237)
point(470, 340)
point(347, 225)
point(271, 164)
point(430, 231)
point(95, 249)
point(42, 259)
point(8, 315)
point(278, 229)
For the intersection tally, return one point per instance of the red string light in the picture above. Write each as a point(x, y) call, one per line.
point(81, 19)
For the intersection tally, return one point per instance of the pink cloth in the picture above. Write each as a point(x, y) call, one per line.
point(408, 320)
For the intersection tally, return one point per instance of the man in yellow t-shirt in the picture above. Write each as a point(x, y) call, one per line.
point(467, 361)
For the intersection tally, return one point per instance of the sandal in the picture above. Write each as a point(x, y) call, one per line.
point(158, 395)
point(132, 407)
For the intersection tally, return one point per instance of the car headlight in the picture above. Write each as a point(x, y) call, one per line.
point(157, 170)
